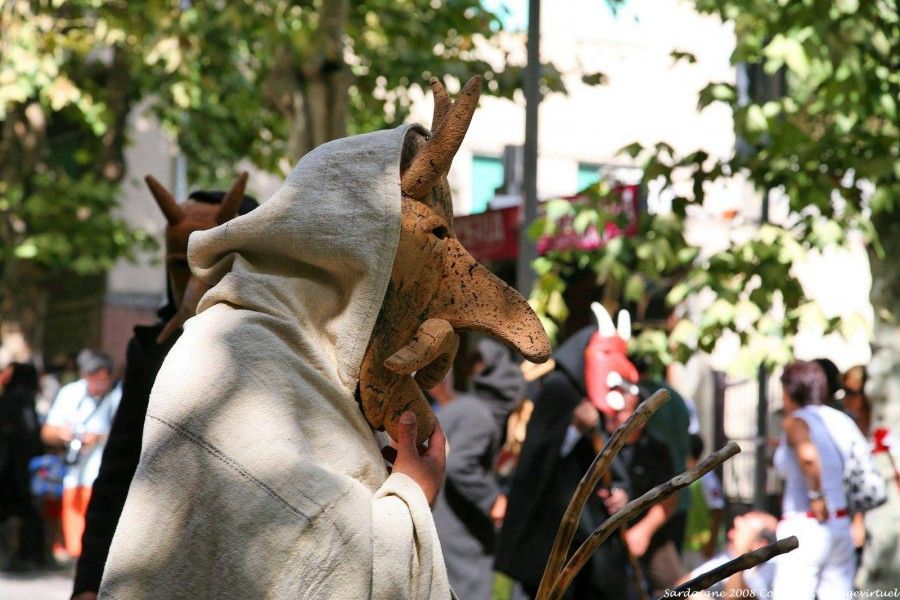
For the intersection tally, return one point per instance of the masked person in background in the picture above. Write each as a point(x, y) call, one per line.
point(471, 500)
point(146, 351)
point(560, 444)
point(78, 423)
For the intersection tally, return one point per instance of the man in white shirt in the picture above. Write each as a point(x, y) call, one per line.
point(79, 422)
point(751, 531)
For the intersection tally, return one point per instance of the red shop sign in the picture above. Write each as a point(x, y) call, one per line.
point(494, 234)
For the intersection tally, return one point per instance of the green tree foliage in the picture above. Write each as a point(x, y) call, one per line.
point(264, 80)
point(828, 147)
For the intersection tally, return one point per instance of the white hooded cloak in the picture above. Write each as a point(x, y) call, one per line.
point(259, 476)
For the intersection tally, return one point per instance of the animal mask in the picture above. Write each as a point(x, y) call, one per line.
point(436, 287)
point(607, 371)
point(181, 220)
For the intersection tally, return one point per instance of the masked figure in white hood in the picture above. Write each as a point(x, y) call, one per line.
point(261, 473)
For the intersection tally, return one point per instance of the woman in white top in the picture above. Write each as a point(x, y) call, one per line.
point(810, 458)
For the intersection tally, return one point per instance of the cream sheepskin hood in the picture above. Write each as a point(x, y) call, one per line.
point(259, 476)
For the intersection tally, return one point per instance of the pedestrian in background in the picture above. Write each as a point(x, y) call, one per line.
point(814, 504)
point(751, 531)
point(19, 442)
point(560, 445)
point(78, 423)
point(471, 503)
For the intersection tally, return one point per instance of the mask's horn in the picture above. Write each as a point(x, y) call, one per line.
point(433, 161)
point(623, 325)
point(167, 203)
point(604, 321)
point(441, 104)
point(473, 298)
point(232, 200)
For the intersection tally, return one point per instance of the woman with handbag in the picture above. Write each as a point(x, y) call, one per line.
point(814, 505)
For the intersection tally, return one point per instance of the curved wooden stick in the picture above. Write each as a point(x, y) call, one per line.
point(632, 509)
point(742, 562)
point(586, 487)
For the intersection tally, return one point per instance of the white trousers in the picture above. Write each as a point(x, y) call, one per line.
point(823, 565)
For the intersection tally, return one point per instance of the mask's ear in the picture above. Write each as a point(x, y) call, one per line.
point(441, 104)
point(232, 200)
point(604, 321)
point(433, 161)
point(167, 203)
point(624, 325)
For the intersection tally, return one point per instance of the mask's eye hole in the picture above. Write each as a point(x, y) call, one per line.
point(440, 232)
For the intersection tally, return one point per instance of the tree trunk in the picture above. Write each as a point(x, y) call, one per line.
point(313, 91)
point(881, 560)
point(110, 163)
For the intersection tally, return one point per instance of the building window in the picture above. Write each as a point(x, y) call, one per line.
point(487, 176)
point(588, 174)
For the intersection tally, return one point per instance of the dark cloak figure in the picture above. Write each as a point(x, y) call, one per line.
point(143, 360)
point(474, 424)
point(545, 481)
point(19, 442)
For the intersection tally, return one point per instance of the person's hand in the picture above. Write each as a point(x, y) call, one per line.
point(85, 596)
point(424, 465)
point(614, 500)
point(498, 510)
point(585, 416)
point(819, 509)
point(89, 439)
point(637, 541)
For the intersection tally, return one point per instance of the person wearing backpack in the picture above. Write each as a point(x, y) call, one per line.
point(827, 475)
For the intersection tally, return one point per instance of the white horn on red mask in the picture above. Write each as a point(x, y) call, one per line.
point(623, 325)
point(604, 321)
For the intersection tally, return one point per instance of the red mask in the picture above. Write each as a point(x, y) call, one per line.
point(607, 371)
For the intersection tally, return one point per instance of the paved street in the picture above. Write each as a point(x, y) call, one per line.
point(36, 585)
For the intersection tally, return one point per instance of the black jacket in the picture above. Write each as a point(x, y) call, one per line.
point(544, 483)
point(19, 440)
point(121, 455)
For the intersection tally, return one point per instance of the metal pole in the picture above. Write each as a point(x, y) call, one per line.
point(527, 249)
point(760, 499)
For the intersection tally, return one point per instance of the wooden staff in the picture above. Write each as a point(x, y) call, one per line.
point(586, 487)
point(741, 563)
point(632, 509)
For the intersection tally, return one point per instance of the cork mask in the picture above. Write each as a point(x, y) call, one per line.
point(181, 220)
point(436, 286)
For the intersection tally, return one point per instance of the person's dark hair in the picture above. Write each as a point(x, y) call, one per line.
point(24, 375)
point(805, 383)
point(696, 446)
point(832, 376)
point(91, 361)
point(767, 535)
point(248, 203)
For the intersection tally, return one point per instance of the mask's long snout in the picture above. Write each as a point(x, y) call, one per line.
point(473, 298)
